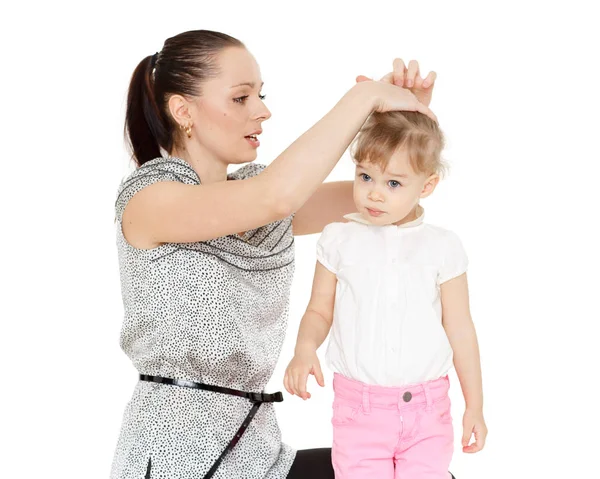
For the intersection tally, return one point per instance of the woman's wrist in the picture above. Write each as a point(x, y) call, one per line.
point(364, 94)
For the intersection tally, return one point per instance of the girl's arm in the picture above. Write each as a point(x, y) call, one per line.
point(314, 328)
point(456, 319)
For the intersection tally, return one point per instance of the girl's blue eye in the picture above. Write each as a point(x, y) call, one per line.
point(365, 177)
point(394, 184)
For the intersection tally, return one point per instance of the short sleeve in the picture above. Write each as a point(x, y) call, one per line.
point(327, 251)
point(159, 169)
point(454, 261)
point(247, 171)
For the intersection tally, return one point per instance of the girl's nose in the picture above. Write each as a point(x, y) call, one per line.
point(374, 195)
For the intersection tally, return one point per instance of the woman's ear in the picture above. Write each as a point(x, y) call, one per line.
point(429, 186)
point(179, 109)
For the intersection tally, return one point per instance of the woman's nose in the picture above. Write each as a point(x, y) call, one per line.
point(263, 113)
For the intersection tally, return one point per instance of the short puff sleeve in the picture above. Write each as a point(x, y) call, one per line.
point(454, 261)
point(327, 247)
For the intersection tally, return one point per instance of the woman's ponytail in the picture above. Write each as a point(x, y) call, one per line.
point(144, 121)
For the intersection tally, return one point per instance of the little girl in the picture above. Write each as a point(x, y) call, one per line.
point(393, 290)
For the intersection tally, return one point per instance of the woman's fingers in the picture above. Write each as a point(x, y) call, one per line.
point(426, 110)
point(429, 80)
point(412, 72)
point(361, 78)
point(405, 77)
point(418, 82)
point(399, 73)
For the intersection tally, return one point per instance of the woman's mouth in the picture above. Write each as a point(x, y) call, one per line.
point(253, 140)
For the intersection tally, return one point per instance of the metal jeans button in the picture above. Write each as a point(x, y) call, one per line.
point(407, 396)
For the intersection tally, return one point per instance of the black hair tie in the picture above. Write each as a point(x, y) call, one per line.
point(153, 60)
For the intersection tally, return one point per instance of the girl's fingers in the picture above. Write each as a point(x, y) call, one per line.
point(429, 79)
point(466, 438)
point(479, 438)
point(411, 74)
point(399, 73)
point(286, 384)
point(319, 375)
point(296, 383)
point(301, 385)
point(475, 447)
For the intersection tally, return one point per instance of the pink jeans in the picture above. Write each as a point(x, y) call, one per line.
point(391, 433)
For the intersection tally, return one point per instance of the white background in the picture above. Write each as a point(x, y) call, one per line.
point(517, 97)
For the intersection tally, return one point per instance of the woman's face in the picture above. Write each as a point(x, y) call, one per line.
point(229, 112)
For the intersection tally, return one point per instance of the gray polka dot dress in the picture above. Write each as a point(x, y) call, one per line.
point(213, 312)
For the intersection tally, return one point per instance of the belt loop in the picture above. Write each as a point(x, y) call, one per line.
point(427, 392)
point(365, 399)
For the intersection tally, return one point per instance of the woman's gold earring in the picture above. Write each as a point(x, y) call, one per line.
point(187, 129)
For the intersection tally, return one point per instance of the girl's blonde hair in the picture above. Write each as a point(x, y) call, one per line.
point(385, 133)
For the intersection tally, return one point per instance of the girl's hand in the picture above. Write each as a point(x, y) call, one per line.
point(473, 423)
point(409, 78)
point(305, 362)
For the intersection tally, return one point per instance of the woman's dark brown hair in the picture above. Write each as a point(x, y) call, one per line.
point(184, 63)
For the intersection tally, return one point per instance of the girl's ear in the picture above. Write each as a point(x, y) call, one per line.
point(429, 186)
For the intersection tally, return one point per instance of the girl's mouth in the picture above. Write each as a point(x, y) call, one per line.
point(374, 212)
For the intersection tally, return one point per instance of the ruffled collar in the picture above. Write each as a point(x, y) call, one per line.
point(357, 217)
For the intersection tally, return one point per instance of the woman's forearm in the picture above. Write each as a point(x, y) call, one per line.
point(295, 174)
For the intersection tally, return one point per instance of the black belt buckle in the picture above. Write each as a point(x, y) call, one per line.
point(262, 397)
point(277, 397)
point(256, 397)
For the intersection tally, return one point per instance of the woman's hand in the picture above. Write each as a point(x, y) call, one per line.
point(388, 97)
point(305, 362)
point(474, 424)
point(409, 78)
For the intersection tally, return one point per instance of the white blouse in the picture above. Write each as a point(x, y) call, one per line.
point(387, 327)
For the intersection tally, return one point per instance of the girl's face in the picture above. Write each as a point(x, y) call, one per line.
point(390, 196)
point(228, 114)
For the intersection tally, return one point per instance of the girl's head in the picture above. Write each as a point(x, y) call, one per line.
point(398, 162)
point(202, 94)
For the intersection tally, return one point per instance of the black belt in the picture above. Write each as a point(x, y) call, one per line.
point(256, 398)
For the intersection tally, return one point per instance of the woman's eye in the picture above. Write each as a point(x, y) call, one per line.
point(394, 184)
point(365, 177)
point(241, 99)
